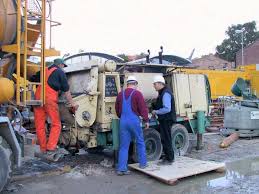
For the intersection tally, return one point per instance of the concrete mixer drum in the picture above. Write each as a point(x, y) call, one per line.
point(7, 22)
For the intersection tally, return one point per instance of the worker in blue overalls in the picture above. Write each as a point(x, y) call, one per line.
point(130, 105)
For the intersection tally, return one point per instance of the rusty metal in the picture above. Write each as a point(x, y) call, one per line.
point(199, 142)
point(216, 116)
point(7, 22)
point(229, 140)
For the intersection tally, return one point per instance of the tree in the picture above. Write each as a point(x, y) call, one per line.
point(124, 57)
point(141, 55)
point(233, 43)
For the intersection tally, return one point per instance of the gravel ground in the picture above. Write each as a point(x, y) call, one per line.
point(93, 173)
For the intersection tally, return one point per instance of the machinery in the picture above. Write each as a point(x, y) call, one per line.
point(243, 115)
point(95, 87)
point(22, 36)
point(10, 152)
point(221, 81)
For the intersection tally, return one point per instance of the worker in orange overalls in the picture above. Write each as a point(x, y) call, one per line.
point(56, 82)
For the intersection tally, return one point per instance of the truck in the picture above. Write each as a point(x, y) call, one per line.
point(22, 37)
point(94, 86)
point(10, 151)
point(95, 126)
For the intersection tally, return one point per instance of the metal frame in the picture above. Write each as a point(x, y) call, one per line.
point(8, 134)
point(22, 50)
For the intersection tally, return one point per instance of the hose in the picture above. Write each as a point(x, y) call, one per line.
point(18, 115)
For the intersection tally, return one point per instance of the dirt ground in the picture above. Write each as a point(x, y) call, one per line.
point(92, 174)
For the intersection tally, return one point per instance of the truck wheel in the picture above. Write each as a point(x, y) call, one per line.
point(5, 163)
point(180, 139)
point(153, 143)
point(96, 150)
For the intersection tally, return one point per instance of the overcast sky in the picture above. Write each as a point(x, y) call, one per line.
point(133, 26)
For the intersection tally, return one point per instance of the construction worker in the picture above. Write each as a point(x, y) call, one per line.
point(164, 108)
point(56, 82)
point(130, 105)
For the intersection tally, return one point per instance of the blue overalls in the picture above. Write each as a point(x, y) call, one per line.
point(130, 129)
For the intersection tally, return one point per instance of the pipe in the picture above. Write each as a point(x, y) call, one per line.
point(200, 127)
point(229, 140)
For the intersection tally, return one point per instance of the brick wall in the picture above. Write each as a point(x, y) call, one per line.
point(251, 54)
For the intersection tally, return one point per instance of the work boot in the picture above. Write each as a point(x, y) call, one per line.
point(53, 155)
point(40, 154)
point(121, 173)
point(165, 162)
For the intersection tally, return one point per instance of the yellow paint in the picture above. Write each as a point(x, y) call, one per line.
point(24, 46)
point(253, 76)
point(13, 49)
point(6, 90)
point(18, 51)
point(27, 83)
point(221, 81)
point(43, 53)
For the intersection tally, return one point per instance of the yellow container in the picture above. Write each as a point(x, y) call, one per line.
point(253, 77)
point(6, 90)
point(221, 81)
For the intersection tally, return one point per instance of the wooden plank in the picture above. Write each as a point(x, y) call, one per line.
point(183, 167)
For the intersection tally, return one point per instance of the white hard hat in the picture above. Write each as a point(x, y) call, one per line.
point(131, 79)
point(159, 78)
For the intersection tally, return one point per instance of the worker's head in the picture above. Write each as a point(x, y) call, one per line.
point(159, 82)
point(132, 82)
point(60, 62)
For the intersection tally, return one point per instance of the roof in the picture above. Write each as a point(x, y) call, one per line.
point(97, 54)
point(210, 61)
point(166, 59)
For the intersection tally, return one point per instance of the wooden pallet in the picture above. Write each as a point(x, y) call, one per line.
point(183, 167)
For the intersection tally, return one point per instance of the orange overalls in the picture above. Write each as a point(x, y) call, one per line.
point(49, 109)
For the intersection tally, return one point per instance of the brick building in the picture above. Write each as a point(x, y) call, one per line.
point(211, 61)
point(251, 54)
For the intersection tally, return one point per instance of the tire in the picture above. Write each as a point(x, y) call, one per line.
point(5, 163)
point(96, 150)
point(153, 143)
point(180, 139)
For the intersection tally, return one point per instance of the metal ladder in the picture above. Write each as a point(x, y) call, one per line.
point(25, 47)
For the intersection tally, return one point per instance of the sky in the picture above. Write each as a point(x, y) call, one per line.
point(133, 26)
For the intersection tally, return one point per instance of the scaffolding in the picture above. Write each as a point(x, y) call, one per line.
point(31, 41)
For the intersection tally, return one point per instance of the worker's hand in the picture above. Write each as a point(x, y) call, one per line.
point(75, 106)
point(153, 113)
point(147, 125)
